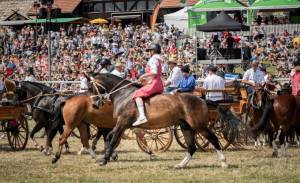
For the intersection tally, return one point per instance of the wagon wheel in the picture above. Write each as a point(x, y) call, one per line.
point(128, 135)
point(217, 128)
point(154, 141)
point(93, 132)
point(17, 133)
point(200, 141)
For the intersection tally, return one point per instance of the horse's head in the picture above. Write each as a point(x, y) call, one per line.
point(103, 83)
point(260, 97)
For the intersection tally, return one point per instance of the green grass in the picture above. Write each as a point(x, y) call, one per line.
point(245, 166)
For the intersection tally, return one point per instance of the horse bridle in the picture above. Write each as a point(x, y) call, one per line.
point(107, 94)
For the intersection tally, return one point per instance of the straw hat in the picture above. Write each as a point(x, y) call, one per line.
point(172, 59)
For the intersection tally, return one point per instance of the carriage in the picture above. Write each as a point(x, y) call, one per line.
point(160, 140)
point(13, 122)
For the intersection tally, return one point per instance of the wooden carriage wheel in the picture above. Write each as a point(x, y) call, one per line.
point(93, 131)
point(17, 133)
point(217, 128)
point(200, 141)
point(154, 141)
point(128, 135)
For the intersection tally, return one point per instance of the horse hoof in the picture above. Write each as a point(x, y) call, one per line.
point(115, 157)
point(103, 163)
point(54, 160)
point(179, 166)
point(224, 164)
point(41, 148)
point(275, 154)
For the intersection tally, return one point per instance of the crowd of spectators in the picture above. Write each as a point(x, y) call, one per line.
point(80, 48)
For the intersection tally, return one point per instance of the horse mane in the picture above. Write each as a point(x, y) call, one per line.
point(126, 81)
point(41, 86)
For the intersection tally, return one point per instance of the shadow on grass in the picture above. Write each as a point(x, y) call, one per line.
point(205, 166)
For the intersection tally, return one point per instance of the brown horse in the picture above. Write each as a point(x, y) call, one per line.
point(189, 111)
point(280, 112)
point(78, 111)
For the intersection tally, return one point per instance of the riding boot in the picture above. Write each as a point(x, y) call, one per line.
point(142, 118)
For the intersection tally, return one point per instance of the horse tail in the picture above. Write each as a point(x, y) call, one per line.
point(263, 121)
point(228, 119)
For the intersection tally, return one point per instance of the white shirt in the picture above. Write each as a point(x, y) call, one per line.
point(153, 63)
point(30, 78)
point(118, 73)
point(83, 83)
point(104, 71)
point(175, 77)
point(254, 77)
point(214, 82)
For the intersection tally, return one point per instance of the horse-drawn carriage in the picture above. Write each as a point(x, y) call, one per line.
point(13, 122)
point(235, 99)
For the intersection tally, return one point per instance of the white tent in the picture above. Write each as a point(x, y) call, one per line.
point(179, 19)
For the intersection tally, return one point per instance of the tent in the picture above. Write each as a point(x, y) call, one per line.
point(222, 22)
point(217, 5)
point(179, 19)
point(275, 4)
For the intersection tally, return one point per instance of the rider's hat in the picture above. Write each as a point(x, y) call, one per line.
point(185, 69)
point(172, 59)
point(155, 47)
point(105, 61)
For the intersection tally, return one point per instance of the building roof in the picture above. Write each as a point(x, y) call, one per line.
point(66, 6)
point(176, 3)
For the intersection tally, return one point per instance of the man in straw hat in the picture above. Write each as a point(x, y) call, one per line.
point(119, 70)
point(253, 77)
point(175, 75)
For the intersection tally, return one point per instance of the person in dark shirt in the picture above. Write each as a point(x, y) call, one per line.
point(230, 43)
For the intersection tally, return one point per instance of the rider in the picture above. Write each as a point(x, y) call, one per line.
point(295, 77)
point(152, 78)
point(175, 75)
point(105, 66)
point(253, 77)
point(30, 75)
point(213, 82)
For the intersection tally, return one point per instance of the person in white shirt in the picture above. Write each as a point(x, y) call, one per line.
point(175, 75)
point(119, 70)
point(253, 78)
point(214, 82)
point(83, 83)
point(29, 76)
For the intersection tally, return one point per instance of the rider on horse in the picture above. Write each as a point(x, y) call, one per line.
point(253, 77)
point(153, 82)
point(295, 77)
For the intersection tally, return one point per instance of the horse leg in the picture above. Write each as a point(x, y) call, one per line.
point(105, 132)
point(115, 136)
point(84, 137)
point(48, 148)
point(62, 139)
point(189, 137)
point(35, 129)
point(283, 143)
point(213, 139)
point(96, 139)
point(61, 131)
point(274, 145)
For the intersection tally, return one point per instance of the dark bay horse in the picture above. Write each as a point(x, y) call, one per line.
point(42, 110)
point(189, 111)
point(281, 112)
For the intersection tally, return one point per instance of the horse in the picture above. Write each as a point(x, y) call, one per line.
point(280, 112)
point(187, 110)
point(42, 100)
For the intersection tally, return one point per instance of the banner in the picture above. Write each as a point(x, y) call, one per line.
point(197, 18)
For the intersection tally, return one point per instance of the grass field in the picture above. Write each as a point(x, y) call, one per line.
point(247, 165)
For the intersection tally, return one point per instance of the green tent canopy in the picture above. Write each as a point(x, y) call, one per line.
point(275, 4)
point(57, 20)
point(217, 5)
